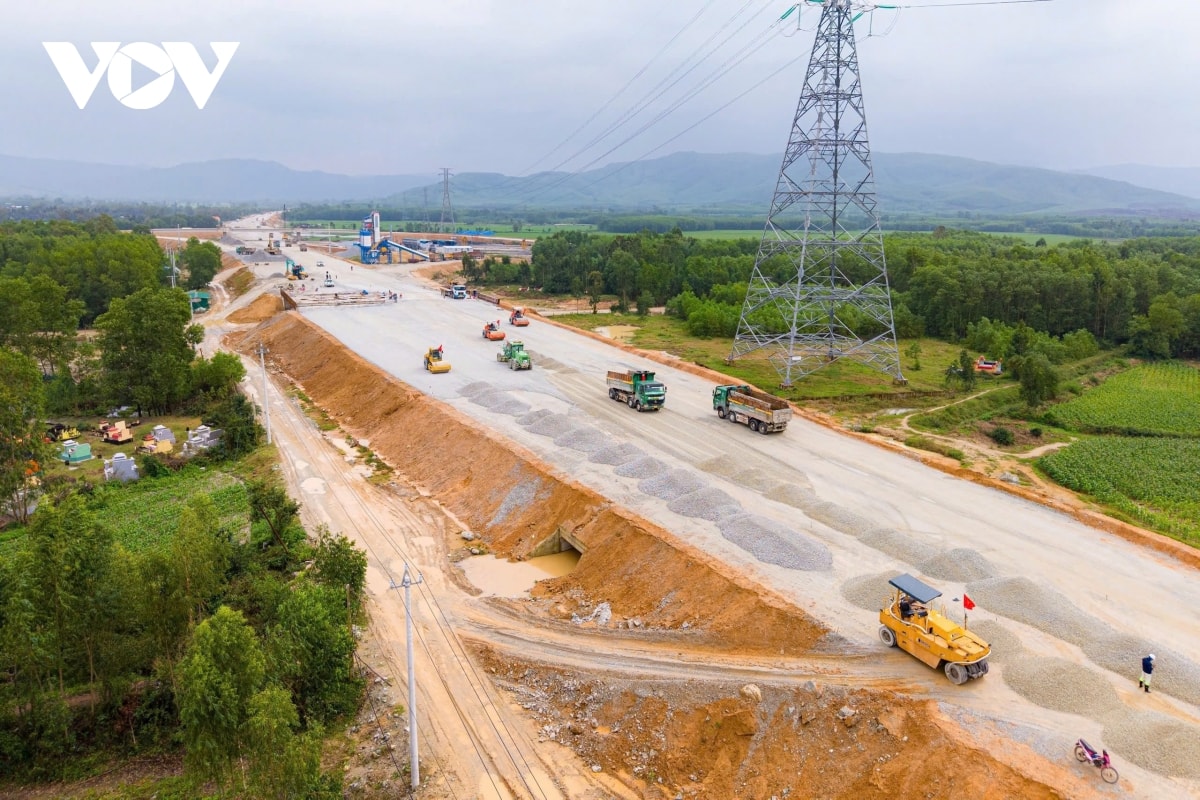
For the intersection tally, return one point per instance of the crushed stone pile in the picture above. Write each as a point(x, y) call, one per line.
point(898, 545)
point(511, 407)
point(1045, 609)
point(489, 399)
point(772, 543)
point(792, 495)
point(961, 564)
point(671, 485)
point(1004, 643)
point(519, 496)
point(1174, 673)
point(710, 504)
point(533, 416)
point(843, 519)
point(584, 439)
point(552, 425)
point(1061, 685)
point(757, 479)
point(869, 592)
point(617, 454)
point(1153, 741)
point(474, 388)
point(644, 467)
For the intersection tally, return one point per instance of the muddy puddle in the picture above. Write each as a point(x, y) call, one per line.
point(499, 577)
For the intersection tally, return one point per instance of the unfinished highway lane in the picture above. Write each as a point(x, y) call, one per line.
point(728, 491)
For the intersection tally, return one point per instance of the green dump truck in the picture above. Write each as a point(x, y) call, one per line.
point(761, 412)
point(637, 389)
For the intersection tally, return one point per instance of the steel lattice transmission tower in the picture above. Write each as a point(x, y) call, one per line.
point(447, 211)
point(819, 292)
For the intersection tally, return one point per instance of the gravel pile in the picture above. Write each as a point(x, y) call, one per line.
point(1174, 673)
point(1045, 609)
point(961, 564)
point(773, 543)
point(511, 407)
point(584, 439)
point(757, 479)
point(898, 545)
point(644, 467)
point(1004, 643)
point(553, 425)
point(545, 362)
point(843, 519)
point(476, 387)
point(1153, 741)
point(489, 399)
point(710, 504)
point(533, 416)
point(869, 592)
point(671, 485)
point(616, 454)
point(792, 495)
point(518, 497)
point(1061, 685)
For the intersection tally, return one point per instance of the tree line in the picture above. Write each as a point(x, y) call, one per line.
point(125, 215)
point(1143, 292)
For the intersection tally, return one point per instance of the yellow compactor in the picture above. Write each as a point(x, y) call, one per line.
point(910, 622)
point(435, 361)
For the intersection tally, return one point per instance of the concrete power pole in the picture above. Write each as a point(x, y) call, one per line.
point(447, 223)
point(262, 358)
point(415, 768)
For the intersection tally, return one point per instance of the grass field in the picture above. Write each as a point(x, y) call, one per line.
point(1149, 480)
point(1151, 400)
point(846, 380)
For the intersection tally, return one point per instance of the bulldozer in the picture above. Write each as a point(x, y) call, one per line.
point(514, 354)
point(926, 633)
point(435, 360)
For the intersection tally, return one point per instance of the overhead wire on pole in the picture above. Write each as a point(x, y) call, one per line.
point(720, 72)
point(649, 96)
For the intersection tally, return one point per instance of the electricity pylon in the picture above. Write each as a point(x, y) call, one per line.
point(447, 223)
point(819, 290)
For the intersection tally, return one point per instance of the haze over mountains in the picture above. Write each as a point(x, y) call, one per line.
point(906, 182)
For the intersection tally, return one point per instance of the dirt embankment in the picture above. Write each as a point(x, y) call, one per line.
point(671, 740)
point(261, 308)
point(515, 503)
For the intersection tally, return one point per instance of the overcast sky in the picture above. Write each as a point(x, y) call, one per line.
point(373, 87)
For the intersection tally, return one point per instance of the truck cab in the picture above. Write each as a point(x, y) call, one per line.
point(458, 291)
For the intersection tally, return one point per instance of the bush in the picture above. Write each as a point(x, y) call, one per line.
point(1001, 435)
point(645, 301)
point(1035, 432)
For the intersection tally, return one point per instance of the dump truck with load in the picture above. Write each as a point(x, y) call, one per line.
point(760, 411)
point(245, 251)
point(637, 389)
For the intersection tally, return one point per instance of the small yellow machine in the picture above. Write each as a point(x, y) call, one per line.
point(434, 360)
point(910, 623)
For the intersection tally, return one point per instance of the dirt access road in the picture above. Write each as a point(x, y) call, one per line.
point(839, 514)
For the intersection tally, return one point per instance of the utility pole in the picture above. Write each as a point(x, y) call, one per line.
point(836, 303)
point(262, 358)
point(447, 223)
point(415, 768)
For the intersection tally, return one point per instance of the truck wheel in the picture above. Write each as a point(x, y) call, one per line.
point(732, 417)
point(721, 412)
point(763, 429)
point(957, 673)
point(629, 401)
point(753, 425)
point(887, 636)
point(612, 394)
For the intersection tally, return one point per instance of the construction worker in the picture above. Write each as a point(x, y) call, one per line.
point(1147, 671)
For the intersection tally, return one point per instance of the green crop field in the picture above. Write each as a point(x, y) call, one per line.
point(1150, 480)
point(145, 514)
point(1151, 400)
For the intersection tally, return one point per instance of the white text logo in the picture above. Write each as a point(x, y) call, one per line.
point(117, 60)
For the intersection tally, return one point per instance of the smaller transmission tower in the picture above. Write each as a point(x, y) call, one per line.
point(447, 223)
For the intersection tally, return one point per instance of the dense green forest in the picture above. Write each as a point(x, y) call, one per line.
point(1140, 292)
point(124, 216)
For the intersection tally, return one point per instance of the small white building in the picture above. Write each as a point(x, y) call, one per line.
point(121, 468)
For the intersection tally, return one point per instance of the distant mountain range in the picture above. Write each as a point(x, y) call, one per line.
point(1180, 180)
point(906, 182)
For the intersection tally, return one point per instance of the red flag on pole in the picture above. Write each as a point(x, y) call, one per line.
point(968, 603)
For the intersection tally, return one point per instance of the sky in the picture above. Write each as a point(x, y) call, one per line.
point(520, 86)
